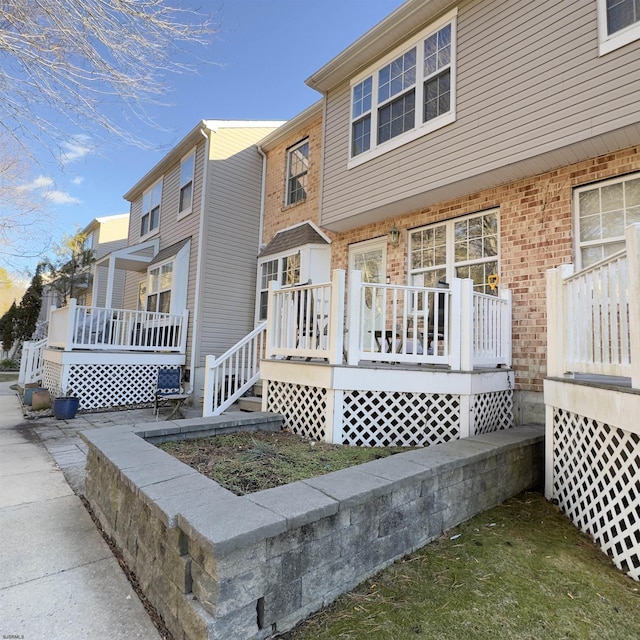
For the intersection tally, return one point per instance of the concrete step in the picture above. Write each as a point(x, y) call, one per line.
point(250, 403)
point(257, 389)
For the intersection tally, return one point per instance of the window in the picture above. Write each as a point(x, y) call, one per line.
point(159, 281)
point(407, 97)
point(151, 209)
point(602, 212)
point(285, 270)
point(186, 184)
point(461, 248)
point(618, 23)
point(297, 169)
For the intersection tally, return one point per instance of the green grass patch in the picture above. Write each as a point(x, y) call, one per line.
point(519, 571)
point(249, 462)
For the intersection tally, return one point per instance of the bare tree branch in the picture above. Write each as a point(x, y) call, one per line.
point(93, 63)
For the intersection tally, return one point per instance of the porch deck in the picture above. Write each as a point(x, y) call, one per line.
point(592, 398)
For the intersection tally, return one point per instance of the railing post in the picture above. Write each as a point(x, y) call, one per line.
point(466, 324)
point(183, 333)
point(271, 318)
point(26, 345)
point(209, 379)
point(632, 237)
point(71, 325)
point(455, 324)
point(555, 319)
point(335, 322)
point(353, 318)
point(506, 322)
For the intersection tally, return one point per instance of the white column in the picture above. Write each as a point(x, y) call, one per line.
point(507, 325)
point(336, 317)
point(555, 319)
point(271, 318)
point(209, 386)
point(466, 324)
point(632, 236)
point(548, 454)
point(353, 318)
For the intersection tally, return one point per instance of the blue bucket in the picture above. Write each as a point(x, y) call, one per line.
point(65, 408)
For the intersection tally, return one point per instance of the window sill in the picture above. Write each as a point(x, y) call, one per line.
point(285, 207)
point(401, 140)
point(185, 213)
point(150, 234)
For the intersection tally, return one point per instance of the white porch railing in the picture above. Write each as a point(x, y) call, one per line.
point(390, 323)
point(593, 316)
point(232, 374)
point(31, 361)
point(307, 321)
point(96, 328)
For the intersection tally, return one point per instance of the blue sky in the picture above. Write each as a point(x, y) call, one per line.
point(258, 62)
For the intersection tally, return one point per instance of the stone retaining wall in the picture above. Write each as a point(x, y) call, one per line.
point(221, 567)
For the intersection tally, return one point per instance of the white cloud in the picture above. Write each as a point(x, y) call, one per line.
point(41, 182)
point(60, 197)
point(78, 147)
point(77, 180)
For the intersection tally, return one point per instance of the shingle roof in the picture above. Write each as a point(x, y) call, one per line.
point(170, 251)
point(290, 238)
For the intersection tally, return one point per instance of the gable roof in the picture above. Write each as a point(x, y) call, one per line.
point(292, 237)
point(408, 18)
point(169, 252)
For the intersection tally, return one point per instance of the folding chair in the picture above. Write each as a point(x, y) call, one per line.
point(169, 388)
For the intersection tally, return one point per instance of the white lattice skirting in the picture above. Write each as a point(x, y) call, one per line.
point(596, 480)
point(103, 386)
point(382, 418)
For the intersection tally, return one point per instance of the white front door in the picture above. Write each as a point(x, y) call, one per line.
point(370, 258)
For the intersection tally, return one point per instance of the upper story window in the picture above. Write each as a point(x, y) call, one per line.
point(602, 212)
point(461, 248)
point(187, 167)
point(618, 23)
point(409, 95)
point(150, 220)
point(297, 170)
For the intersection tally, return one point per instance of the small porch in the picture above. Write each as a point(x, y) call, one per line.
point(385, 364)
point(109, 358)
point(592, 398)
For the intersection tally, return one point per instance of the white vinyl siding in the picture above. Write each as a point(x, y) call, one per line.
point(602, 212)
point(535, 87)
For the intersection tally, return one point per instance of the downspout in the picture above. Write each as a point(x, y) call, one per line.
point(263, 188)
point(196, 303)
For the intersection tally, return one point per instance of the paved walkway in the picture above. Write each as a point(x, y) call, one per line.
point(58, 578)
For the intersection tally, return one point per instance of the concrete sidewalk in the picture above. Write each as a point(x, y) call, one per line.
point(58, 578)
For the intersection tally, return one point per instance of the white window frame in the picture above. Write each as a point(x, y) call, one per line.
point(579, 244)
point(451, 263)
point(610, 42)
point(280, 273)
point(150, 291)
point(420, 128)
point(185, 181)
point(148, 208)
point(299, 176)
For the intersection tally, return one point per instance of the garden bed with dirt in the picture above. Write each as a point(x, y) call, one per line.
point(248, 462)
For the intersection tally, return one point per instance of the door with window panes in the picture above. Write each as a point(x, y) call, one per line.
point(462, 248)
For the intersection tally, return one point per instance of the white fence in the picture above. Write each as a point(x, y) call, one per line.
point(233, 373)
point(31, 361)
point(594, 315)
point(96, 328)
point(390, 323)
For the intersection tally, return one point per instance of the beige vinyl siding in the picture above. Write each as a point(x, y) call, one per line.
point(529, 82)
point(232, 227)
